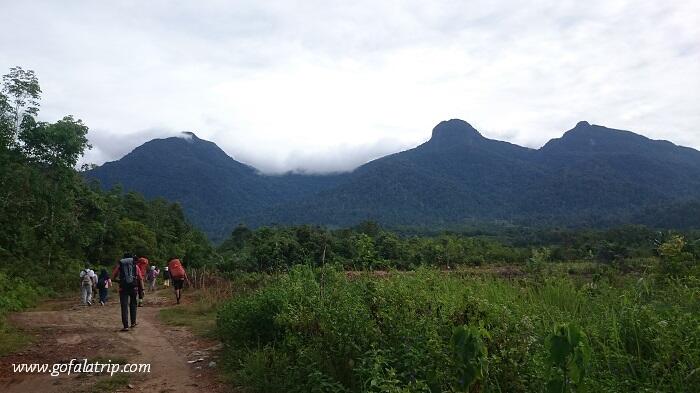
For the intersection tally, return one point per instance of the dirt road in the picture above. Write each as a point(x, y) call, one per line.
point(64, 330)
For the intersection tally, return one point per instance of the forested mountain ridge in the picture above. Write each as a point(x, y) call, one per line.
point(213, 188)
point(592, 175)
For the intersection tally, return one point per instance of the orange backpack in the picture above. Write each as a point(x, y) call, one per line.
point(177, 272)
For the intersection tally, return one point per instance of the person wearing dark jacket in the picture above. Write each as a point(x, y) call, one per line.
point(128, 275)
point(103, 284)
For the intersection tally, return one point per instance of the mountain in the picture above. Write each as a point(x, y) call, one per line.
point(592, 175)
point(601, 169)
point(213, 188)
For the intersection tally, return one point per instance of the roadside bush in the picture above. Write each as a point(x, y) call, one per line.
point(16, 294)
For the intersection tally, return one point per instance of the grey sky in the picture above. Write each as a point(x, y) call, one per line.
point(326, 85)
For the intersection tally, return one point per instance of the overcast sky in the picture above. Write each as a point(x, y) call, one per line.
point(326, 86)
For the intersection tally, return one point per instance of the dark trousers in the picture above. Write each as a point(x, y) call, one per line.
point(127, 300)
point(103, 294)
point(140, 290)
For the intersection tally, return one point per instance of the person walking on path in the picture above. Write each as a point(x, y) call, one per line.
point(103, 285)
point(93, 277)
point(152, 277)
point(142, 264)
point(86, 283)
point(166, 277)
point(178, 275)
point(128, 275)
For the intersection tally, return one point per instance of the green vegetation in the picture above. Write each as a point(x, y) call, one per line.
point(318, 330)
point(211, 290)
point(111, 383)
point(52, 222)
point(17, 294)
point(362, 309)
point(200, 316)
point(369, 247)
point(12, 339)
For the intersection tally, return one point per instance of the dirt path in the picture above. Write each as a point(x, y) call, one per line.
point(64, 330)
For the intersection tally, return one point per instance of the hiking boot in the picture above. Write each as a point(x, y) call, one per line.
point(134, 325)
point(126, 329)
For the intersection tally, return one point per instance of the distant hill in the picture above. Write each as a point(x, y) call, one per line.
point(592, 175)
point(214, 189)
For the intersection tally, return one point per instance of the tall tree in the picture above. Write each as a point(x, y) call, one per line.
point(19, 104)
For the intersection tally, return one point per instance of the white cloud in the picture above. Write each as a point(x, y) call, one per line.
point(327, 85)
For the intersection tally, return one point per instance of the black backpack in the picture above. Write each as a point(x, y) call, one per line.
point(101, 283)
point(127, 272)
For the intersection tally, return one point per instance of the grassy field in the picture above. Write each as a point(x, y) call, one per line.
point(12, 339)
point(572, 328)
point(198, 314)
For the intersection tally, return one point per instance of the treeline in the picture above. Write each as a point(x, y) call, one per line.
point(368, 246)
point(364, 247)
point(51, 221)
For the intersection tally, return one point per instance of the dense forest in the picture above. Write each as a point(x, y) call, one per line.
point(369, 247)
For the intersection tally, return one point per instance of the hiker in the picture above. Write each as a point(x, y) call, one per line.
point(166, 277)
point(128, 275)
point(93, 278)
point(86, 283)
point(103, 285)
point(142, 264)
point(178, 275)
point(151, 278)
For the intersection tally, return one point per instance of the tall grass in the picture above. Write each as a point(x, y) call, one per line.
point(392, 333)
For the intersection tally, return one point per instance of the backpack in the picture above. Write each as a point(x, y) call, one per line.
point(151, 275)
point(86, 280)
point(127, 273)
point(142, 265)
point(101, 283)
point(177, 272)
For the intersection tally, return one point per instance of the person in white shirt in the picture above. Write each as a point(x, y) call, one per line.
point(88, 279)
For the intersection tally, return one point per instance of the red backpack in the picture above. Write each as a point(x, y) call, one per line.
point(177, 272)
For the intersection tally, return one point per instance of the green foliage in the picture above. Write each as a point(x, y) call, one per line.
point(469, 346)
point(19, 104)
point(365, 256)
point(539, 258)
point(52, 222)
point(427, 331)
point(135, 236)
point(367, 247)
point(57, 144)
point(569, 355)
point(675, 260)
point(16, 293)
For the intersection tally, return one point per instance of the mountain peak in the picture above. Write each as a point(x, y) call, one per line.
point(454, 131)
point(587, 137)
